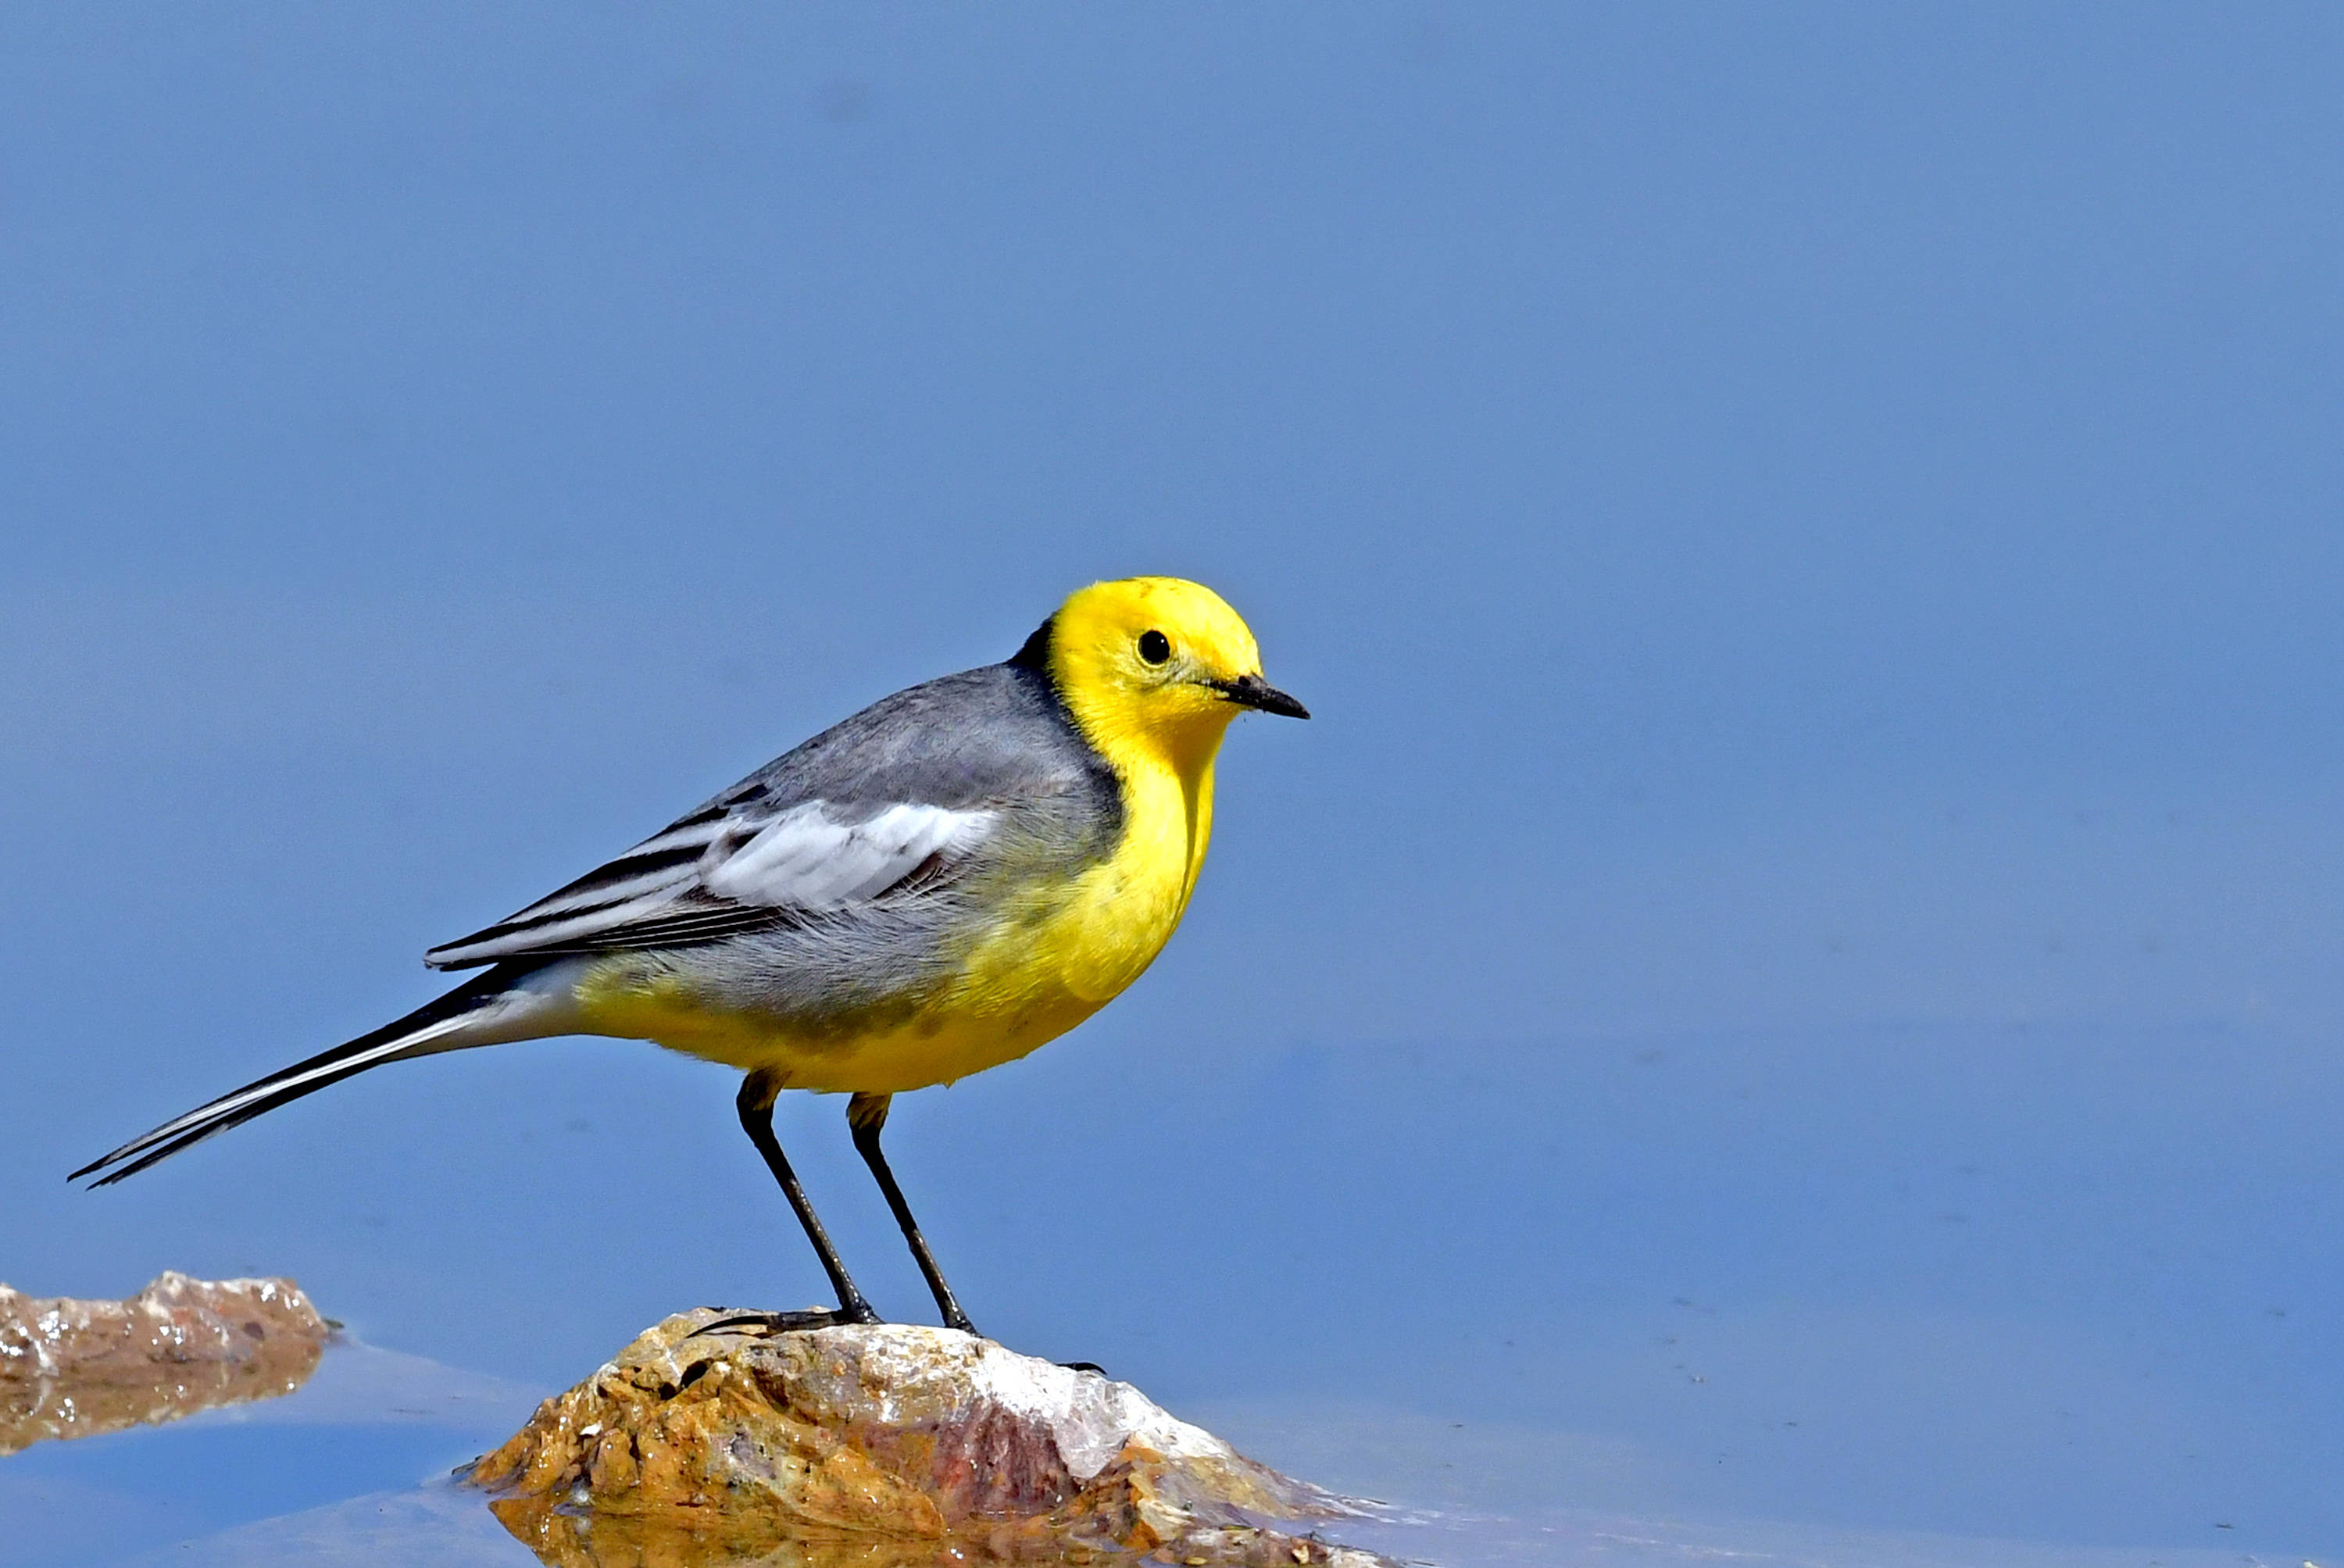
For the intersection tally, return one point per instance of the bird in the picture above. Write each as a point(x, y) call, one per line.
point(942, 883)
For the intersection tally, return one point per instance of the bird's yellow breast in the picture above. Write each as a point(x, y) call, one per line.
point(1116, 915)
point(1051, 958)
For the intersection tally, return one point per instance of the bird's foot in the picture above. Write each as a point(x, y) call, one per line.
point(764, 1325)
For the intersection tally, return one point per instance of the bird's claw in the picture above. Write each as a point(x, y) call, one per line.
point(765, 1325)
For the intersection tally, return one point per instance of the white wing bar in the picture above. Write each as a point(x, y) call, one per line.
point(803, 860)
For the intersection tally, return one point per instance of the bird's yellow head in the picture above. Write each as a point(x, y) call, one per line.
point(1155, 664)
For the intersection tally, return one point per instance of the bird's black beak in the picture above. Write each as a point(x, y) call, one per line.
point(1253, 691)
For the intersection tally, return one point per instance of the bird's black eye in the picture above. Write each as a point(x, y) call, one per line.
point(1154, 647)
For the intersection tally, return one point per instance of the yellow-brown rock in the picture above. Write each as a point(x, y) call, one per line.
point(878, 1447)
point(69, 1368)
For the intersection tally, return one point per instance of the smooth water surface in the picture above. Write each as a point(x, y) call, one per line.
point(2074, 1290)
point(1790, 993)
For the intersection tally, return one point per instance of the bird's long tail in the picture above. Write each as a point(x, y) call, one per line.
point(495, 1006)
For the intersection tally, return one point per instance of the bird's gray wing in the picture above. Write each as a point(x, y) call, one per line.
point(734, 871)
point(885, 809)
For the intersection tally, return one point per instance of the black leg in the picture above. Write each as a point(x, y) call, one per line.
point(756, 1102)
point(866, 1115)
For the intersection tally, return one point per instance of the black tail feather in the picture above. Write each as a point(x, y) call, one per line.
point(304, 1078)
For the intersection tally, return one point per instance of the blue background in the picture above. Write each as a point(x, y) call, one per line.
point(1811, 535)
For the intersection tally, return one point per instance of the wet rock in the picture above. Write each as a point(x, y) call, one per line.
point(70, 1368)
point(881, 1447)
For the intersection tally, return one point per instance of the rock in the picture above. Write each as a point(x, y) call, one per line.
point(879, 1447)
point(70, 1368)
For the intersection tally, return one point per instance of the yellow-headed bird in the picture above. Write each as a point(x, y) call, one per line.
point(950, 878)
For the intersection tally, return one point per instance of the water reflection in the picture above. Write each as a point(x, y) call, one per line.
point(294, 1479)
point(565, 1540)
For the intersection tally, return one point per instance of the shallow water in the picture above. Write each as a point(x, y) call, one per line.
point(354, 1469)
point(1891, 1296)
point(369, 1420)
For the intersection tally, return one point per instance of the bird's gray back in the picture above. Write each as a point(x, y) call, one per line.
point(996, 738)
point(996, 734)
